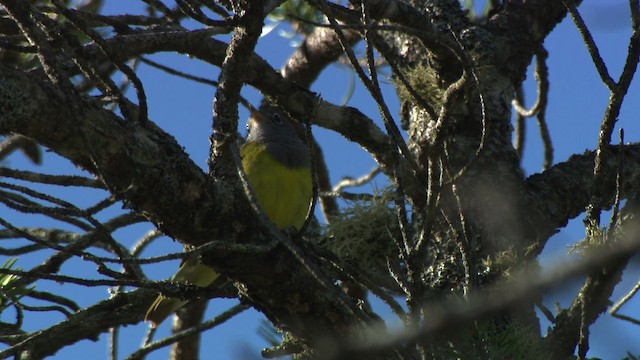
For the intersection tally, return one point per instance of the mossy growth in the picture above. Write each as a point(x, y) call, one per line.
point(362, 233)
point(423, 80)
point(501, 264)
point(595, 237)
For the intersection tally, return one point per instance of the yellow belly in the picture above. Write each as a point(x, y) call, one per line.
point(283, 193)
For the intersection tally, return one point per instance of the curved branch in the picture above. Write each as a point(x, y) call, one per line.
point(319, 49)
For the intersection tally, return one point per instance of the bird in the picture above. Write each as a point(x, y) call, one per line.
point(277, 164)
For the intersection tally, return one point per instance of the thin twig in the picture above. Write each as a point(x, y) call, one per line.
point(541, 74)
point(350, 196)
point(61, 180)
point(542, 77)
point(446, 316)
point(591, 44)
point(583, 342)
point(617, 96)
point(313, 163)
point(634, 6)
point(370, 84)
point(220, 319)
point(521, 125)
point(113, 343)
point(81, 25)
point(616, 307)
point(619, 178)
point(351, 182)
point(469, 66)
point(60, 300)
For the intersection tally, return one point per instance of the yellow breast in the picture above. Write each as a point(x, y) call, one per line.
point(283, 193)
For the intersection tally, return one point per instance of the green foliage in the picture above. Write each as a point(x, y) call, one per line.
point(10, 290)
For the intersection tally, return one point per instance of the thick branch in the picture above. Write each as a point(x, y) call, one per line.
point(562, 192)
point(318, 50)
point(299, 102)
point(593, 297)
point(122, 309)
point(520, 28)
point(149, 171)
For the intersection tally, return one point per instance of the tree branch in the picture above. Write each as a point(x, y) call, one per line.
point(319, 49)
point(593, 298)
point(299, 102)
point(89, 323)
point(562, 192)
point(147, 169)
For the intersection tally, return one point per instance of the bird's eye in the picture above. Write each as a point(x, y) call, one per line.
point(277, 119)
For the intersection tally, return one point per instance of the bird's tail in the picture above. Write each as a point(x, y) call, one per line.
point(191, 272)
point(161, 308)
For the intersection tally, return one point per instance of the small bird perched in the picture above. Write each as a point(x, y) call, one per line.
point(278, 167)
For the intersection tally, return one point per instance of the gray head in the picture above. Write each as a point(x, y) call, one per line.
point(275, 130)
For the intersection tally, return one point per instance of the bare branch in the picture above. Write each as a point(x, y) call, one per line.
point(451, 317)
point(591, 45)
point(614, 311)
point(573, 178)
point(351, 182)
point(124, 308)
point(572, 324)
point(209, 324)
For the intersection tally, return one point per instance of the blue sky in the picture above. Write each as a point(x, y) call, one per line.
point(577, 101)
